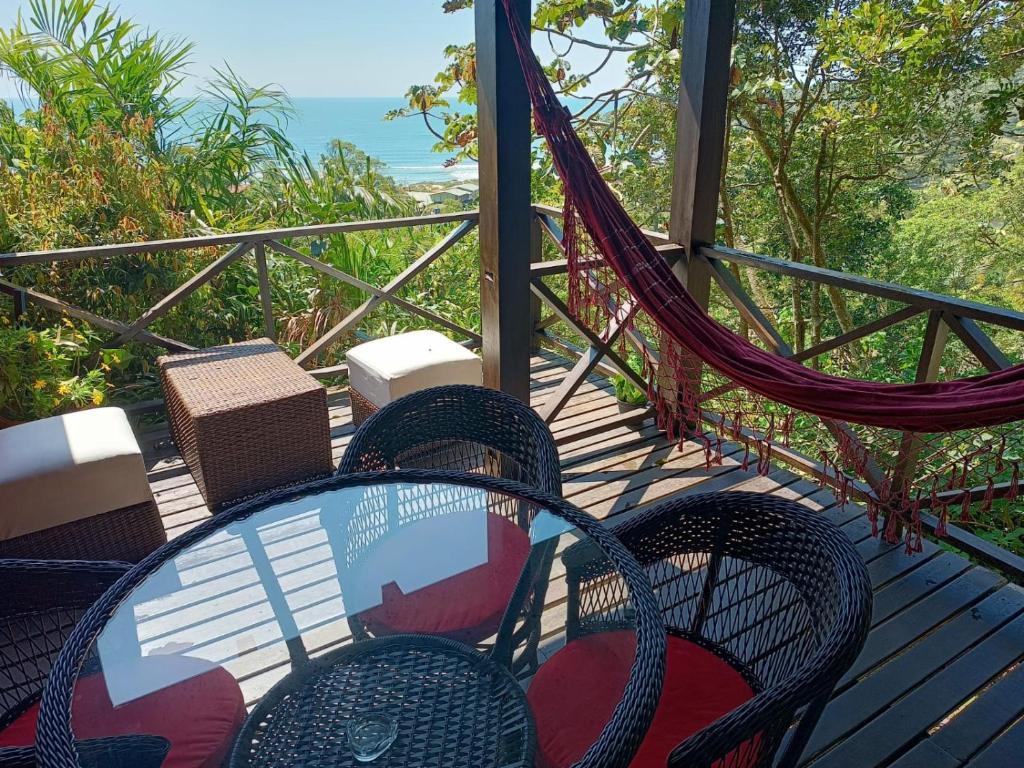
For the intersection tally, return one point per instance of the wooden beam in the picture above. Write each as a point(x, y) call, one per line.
point(747, 308)
point(583, 368)
point(696, 176)
point(655, 236)
point(57, 305)
point(380, 293)
point(976, 340)
point(986, 551)
point(562, 311)
point(504, 135)
point(188, 243)
point(860, 332)
point(330, 372)
point(315, 349)
point(936, 333)
point(182, 292)
point(536, 257)
point(700, 135)
point(858, 283)
point(834, 343)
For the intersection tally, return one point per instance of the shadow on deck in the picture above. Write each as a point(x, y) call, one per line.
point(940, 682)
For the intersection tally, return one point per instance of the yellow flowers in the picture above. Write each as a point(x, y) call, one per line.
point(97, 397)
point(39, 384)
point(64, 389)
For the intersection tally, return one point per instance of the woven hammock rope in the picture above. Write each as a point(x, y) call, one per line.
point(962, 436)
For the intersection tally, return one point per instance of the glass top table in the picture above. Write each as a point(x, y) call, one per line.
point(387, 619)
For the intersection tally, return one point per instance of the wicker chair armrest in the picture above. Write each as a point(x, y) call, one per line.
point(712, 743)
point(111, 752)
point(42, 585)
point(584, 560)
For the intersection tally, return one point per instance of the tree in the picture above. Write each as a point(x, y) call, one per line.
point(837, 107)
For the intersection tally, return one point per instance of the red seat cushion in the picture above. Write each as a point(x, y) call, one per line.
point(468, 606)
point(200, 716)
point(574, 692)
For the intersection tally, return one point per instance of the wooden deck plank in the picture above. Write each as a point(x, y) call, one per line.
point(936, 616)
point(852, 708)
point(996, 709)
point(891, 636)
point(886, 734)
point(927, 755)
point(1004, 752)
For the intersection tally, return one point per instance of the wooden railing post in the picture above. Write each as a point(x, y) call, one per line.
point(933, 346)
point(265, 298)
point(503, 120)
point(20, 299)
point(536, 257)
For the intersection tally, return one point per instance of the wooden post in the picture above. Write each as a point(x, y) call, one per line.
point(700, 135)
point(503, 120)
point(700, 142)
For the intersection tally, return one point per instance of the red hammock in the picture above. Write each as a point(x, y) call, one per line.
point(597, 226)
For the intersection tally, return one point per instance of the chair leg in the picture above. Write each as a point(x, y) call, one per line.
point(795, 745)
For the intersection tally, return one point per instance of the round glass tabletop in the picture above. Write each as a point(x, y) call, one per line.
point(397, 619)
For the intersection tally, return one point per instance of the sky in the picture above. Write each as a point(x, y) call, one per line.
point(312, 47)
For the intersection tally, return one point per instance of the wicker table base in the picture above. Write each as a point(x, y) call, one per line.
point(453, 707)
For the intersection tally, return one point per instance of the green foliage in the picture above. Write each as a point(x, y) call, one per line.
point(47, 372)
point(96, 163)
point(626, 391)
point(91, 66)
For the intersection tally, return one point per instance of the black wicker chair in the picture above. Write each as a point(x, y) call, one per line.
point(469, 429)
point(41, 602)
point(460, 428)
point(777, 593)
point(112, 752)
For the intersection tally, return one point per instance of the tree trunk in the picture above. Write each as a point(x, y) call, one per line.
point(791, 201)
point(729, 231)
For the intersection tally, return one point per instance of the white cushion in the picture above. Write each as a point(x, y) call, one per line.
point(385, 369)
point(65, 468)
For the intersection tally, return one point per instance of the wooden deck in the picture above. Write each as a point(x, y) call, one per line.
point(940, 683)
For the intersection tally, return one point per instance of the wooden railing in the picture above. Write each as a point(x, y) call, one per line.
point(944, 314)
point(240, 246)
point(601, 348)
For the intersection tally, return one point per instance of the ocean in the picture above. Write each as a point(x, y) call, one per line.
point(404, 145)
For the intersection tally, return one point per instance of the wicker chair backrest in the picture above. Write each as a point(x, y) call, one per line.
point(458, 427)
point(40, 603)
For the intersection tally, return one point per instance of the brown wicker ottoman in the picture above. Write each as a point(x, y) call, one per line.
point(246, 418)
